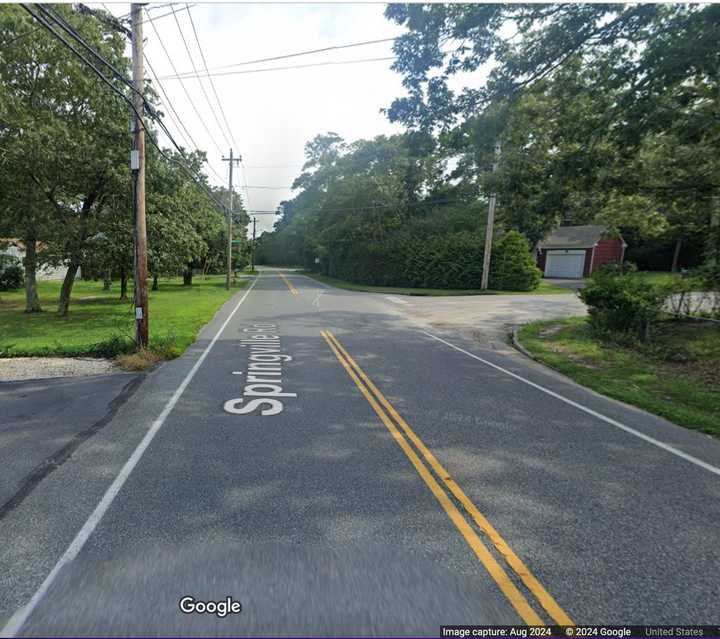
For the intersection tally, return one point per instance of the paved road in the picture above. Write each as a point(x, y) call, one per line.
point(398, 480)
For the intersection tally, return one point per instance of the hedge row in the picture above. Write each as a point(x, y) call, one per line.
point(448, 261)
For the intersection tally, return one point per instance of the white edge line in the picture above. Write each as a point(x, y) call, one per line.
point(589, 411)
point(21, 615)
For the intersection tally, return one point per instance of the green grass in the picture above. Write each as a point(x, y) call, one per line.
point(544, 288)
point(663, 277)
point(100, 324)
point(659, 277)
point(676, 377)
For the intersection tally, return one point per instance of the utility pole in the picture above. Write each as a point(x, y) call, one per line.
point(252, 254)
point(137, 165)
point(490, 226)
point(232, 161)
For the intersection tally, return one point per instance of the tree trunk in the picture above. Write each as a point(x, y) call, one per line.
point(76, 245)
point(155, 285)
point(676, 255)
point(32, 301)
point(107, 282)
point(123, 284)
point(66, 291)
point(187, 276)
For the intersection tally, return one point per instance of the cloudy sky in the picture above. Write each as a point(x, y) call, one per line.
point(273, 114)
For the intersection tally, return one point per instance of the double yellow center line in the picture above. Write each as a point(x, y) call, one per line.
point(395, 424)
point(288, 283)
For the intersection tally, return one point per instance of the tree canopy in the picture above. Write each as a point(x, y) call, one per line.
point(64, 148)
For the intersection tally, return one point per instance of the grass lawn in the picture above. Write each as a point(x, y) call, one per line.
point(545, 287)
point(100, 324)
point(665, 277)
point(677, 377)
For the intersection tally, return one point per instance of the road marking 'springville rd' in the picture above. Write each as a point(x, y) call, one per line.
point(288, 283)
point(387, 414)
point(608, 420)
point(16, 622)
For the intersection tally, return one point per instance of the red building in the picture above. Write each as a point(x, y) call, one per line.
point(578, 251)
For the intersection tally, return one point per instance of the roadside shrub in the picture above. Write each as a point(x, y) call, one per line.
point(112, 347)
point(12, 275)
point(513, 267)
point(447, 260)
point(622, 305)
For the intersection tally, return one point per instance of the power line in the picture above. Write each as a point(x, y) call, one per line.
point(298, 66)
point(126, 16)
point(187, 94)
point(374, 207)
point(202, 86)
point(274, 166)
point(212, 84)
point(176, 120)
point(274, 188)
point(22, 35)
point(301, 53)
point(39, 18)
point(73, 33)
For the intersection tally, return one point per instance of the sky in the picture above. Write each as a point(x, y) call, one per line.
point(271, 115)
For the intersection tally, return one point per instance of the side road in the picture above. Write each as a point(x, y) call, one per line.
point(487, 319)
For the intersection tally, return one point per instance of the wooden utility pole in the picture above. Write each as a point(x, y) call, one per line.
point(232, 161)
point(252, 254)
point(490, 226)
point(137, 165)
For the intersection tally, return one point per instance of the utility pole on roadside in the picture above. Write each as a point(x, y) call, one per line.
point(232, 161)
point(252, 254)
point(137, 166)
point(490, 226)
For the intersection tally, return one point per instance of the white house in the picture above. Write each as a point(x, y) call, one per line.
point(16, 248)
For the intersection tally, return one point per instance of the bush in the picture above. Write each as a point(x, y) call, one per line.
point(11, 273)
point(513, 267)
point(447, 260)
point(621, 304)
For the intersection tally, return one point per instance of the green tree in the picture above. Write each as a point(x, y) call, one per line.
point(63, 138)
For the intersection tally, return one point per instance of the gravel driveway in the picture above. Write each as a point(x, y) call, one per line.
point(17, 368)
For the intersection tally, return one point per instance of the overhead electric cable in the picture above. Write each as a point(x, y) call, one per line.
point(39, 17)
point(187, 94)
point(378, 206)
point(299, 54)
point(177, 120)
point(126, 16)
point(202, 86)
point(298, 66)
point(212, 84)
point(73, 33)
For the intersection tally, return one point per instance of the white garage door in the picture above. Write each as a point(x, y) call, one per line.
point(564, 264)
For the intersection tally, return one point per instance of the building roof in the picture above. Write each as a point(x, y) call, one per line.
point(564, 237)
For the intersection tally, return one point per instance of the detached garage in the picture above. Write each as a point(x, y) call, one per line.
point(577, 251)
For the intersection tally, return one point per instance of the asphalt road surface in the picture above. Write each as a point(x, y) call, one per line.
point(338, 470)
